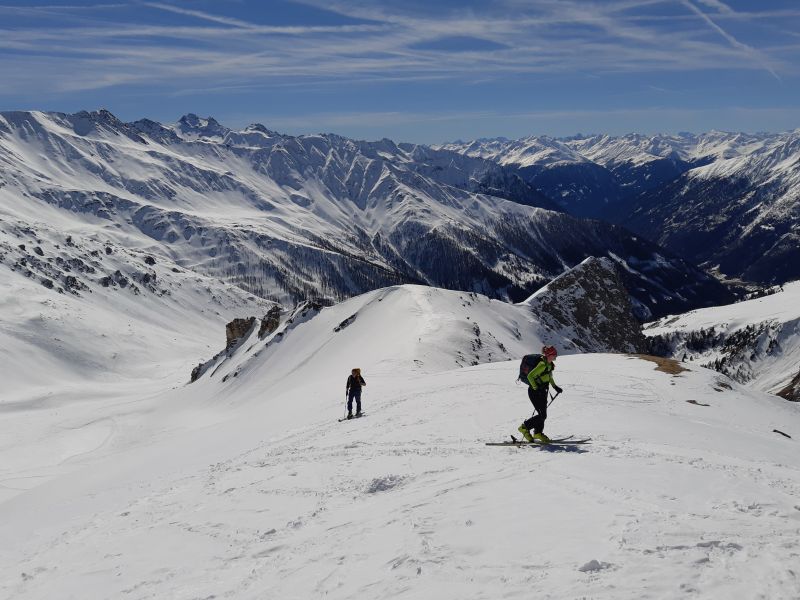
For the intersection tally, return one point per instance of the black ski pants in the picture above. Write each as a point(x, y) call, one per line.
point(538, 398)
point(354, 393)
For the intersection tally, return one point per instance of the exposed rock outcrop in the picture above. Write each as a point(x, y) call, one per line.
point(270, 322)
point(792, 391)
point(236, 330)
point(590, 301)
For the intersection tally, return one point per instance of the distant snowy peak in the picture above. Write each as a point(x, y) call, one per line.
point(761, 161)
point(525, 152)
point(253, 136)
point(740, 214)
point(611, 151)
point(191, 126)
point(730, 201)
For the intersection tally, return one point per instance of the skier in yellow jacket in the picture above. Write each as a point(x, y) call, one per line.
point(540, 378)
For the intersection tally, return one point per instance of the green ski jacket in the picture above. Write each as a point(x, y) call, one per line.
point(542, 374)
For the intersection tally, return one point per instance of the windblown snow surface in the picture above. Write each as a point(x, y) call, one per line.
point(249, 488)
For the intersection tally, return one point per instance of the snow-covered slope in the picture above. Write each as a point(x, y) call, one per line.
point(90, 329)
point(289, 218)
point(78, 310)
point(81, 354)
point(754, 341)
point(249, 488)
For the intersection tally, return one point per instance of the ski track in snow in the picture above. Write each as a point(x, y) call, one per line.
point(408, 503)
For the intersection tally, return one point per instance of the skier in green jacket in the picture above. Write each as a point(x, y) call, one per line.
point(540, 378)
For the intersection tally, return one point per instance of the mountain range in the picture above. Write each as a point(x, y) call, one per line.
point(296, 217)
point(727, 201)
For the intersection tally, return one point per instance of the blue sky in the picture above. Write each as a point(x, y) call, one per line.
point(412, 70)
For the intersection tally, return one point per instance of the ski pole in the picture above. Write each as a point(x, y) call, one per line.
point(552, 399)
point(344, 416)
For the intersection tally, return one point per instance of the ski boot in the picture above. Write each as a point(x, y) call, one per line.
point(358, 413)
point(526, 433)
point(541, 438)
point(349, 415)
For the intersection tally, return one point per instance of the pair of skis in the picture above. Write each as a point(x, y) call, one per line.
point(563, 441)
point(353, 417)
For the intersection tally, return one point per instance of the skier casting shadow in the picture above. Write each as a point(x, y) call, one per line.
point(539, 378)
point(353, 391)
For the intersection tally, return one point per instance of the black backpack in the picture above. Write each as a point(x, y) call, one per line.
point(529, 361)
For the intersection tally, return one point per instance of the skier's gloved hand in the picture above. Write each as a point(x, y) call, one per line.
point(557, 389)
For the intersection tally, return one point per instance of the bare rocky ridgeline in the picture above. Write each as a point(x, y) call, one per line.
point(237, 330)
point(591, 302)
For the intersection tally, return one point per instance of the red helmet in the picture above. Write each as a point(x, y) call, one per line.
point(550, 351)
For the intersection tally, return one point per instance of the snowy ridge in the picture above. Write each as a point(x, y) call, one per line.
point(288, 218)
point(587, 309)
point(525, 152)
point(442, 330)
point(755, 341)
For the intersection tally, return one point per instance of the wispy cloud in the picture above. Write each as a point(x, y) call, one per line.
point(750, 52)
point(200, 15)
point(368, 42)
point(718, 5)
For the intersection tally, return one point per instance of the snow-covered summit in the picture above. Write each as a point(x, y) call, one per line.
point(190, 126)
point(525, 152)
